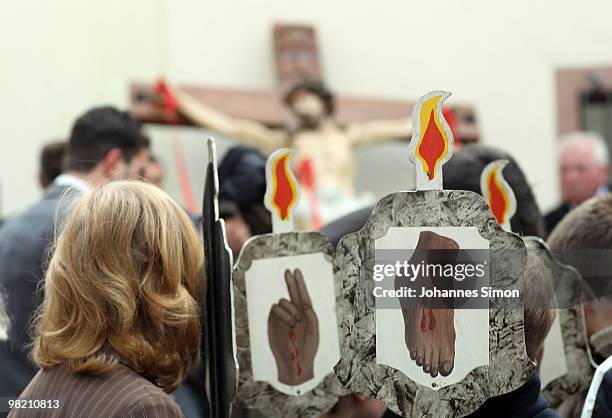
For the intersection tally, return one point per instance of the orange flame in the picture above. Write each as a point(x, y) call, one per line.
point(284, 193)
point(433, 140)
point(431, 147)
point(497, 191)
point(498, 200)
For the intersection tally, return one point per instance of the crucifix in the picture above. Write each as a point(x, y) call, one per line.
point(324, 130)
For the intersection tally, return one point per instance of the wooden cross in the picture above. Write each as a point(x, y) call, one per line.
point(296, 57)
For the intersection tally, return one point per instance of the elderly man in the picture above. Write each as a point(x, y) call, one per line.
point(584, 163)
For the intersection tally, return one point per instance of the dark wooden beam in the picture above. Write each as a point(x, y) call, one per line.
point(266, 106)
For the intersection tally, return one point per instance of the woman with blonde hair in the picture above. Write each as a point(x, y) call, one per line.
point(119, 325)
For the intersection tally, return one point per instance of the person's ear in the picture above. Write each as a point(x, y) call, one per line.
point(112, 163)
point(602, 174)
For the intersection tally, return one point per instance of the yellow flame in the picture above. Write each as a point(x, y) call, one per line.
point(428, 109)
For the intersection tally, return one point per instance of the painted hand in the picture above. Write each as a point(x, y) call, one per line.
point(293, 332)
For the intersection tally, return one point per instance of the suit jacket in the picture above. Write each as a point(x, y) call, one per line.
point(554, 217)
point(122, 393)
point(23, 242)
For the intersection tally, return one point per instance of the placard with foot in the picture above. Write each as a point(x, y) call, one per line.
point(285, 297)
point(431, 312)
point(430, 332)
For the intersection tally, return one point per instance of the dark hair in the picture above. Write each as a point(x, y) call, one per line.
point(315, 87)
point(463, 171)
point(51, 162)
point(242, 185)
point(98, 131)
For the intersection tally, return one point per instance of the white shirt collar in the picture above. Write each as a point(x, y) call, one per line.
point(72, 181)
point(602, 190)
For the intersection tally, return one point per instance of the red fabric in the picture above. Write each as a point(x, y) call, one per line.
point(305, 175)
point(171, 107)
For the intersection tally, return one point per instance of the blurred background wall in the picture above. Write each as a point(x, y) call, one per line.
point(64, 56)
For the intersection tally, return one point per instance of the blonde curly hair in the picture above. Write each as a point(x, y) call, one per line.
point(123, 285)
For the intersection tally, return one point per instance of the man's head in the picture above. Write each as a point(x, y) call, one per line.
point(584, 163)
point(581, 240)
point(589, 226)
point(311, 102)
point(106, 144)
point(51, 162)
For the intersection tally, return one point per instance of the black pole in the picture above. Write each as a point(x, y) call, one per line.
point(217, 345)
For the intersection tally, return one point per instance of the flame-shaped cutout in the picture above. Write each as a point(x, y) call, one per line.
point(497, 191)
point(282, 191)
point(431, 147)
point(497, 198)
point(432, 142)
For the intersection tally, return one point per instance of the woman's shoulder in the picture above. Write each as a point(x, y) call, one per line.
point(120, 393)
point(145, 399)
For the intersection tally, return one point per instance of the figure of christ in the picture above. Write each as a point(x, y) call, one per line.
point(293, 332)
point(323, 162)
point(429, 327)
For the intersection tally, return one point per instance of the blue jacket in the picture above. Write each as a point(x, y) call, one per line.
point(23, 242)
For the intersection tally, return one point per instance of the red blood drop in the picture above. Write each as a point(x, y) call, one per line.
point(299, 369)
point(423, 321)
point(432, 320)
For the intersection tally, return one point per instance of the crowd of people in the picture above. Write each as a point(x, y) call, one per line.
point(102, 279)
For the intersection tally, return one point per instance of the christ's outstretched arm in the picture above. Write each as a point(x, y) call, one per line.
point(370, 132)
point(248, 132)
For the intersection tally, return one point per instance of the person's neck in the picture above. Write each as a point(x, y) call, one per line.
point(78, 174)
point(91, 178)
point(320, 124)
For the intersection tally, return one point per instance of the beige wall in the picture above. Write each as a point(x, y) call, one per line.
point(61, 56)
point(58, 58)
